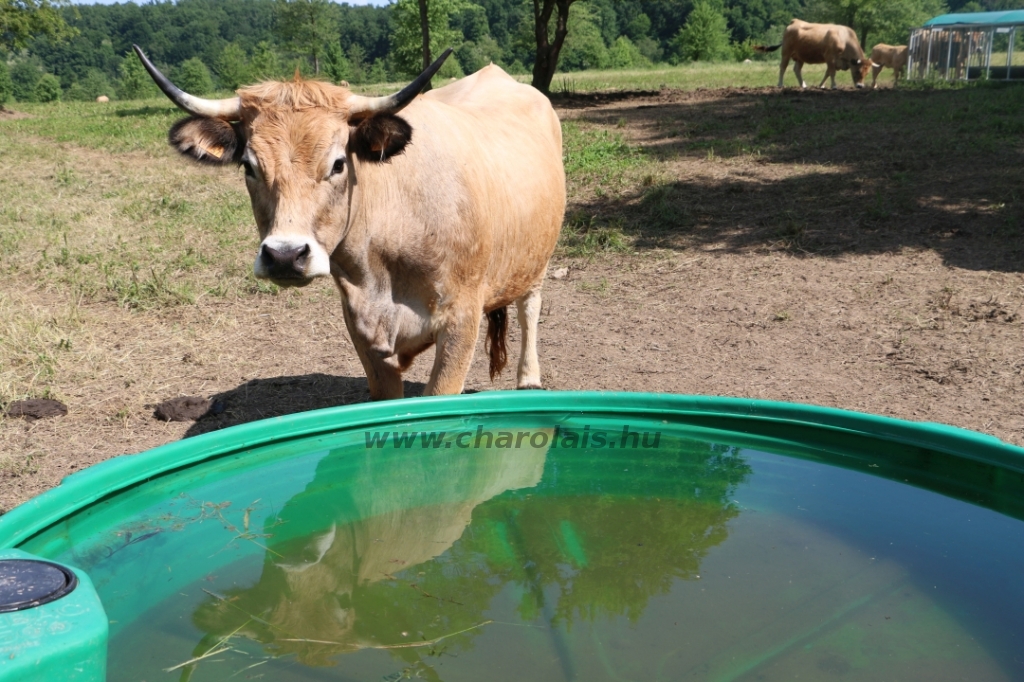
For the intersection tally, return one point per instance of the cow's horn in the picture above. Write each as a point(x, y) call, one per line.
point(877, 66)
point(361, 107)
point(228, 109)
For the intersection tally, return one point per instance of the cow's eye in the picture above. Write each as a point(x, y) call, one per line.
point(338, 166)
point(249, 172)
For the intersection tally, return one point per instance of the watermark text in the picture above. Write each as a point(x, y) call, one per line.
point(555, 437)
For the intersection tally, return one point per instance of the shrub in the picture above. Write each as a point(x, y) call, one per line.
point(47, 89)
point(6, 84)
point(92, 86)
point(25, 74)
point(379, 73)
point(623, 54)
point(743, 51)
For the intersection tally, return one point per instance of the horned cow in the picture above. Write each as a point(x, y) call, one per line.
point(892, 56)
point(831, 44)
point(425, 221)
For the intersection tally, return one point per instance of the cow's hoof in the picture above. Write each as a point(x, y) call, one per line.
point(859, 86)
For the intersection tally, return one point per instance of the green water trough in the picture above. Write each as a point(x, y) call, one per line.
point(528, 536)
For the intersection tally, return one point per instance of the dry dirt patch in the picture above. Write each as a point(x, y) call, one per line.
point(839, 261)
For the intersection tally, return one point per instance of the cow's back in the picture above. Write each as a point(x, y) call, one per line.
point(819, 43)
point(893, 56)
point(492, 151)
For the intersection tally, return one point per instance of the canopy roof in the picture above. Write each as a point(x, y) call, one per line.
point(978, 18)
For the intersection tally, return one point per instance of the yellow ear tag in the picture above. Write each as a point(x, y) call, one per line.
point(217, 152)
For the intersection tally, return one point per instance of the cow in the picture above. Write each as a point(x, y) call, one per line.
point(425, 221)
point(831, 44)
point(893, 56)
point(102, 99)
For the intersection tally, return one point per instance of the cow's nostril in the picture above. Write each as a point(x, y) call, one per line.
point(268, 256)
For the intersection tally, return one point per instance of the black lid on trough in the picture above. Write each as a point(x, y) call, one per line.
point(27, 583)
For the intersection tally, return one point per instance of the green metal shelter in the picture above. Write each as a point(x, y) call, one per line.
point(968, 47)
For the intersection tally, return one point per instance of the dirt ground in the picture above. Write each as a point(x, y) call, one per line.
point(863, 273)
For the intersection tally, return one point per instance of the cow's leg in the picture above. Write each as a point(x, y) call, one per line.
point(875, 70)
point(456, 343)
point(830, 72)
point(528, 310)
point(384, 378)
point(798, 69)
point(782, 68)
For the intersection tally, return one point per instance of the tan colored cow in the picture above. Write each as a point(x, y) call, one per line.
point(424, 220)
point(892, 56)
point(831, 44)
point(102, 99)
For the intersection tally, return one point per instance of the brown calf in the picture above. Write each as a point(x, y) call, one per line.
point(892, 56)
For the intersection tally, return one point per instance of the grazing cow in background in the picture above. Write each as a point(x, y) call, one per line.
point(835, 46)
point(893, 56)
point(425, 220)
point(102, 99)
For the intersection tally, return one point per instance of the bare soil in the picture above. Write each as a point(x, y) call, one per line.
point(847, 262)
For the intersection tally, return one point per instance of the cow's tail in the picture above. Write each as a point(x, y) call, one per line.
point(766, 48)
point(497, 326)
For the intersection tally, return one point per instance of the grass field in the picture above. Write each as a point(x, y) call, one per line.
point(127, 271)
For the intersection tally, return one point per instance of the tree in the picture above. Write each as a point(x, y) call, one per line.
point(25, 73)
point(134, 81)
point(233, 67)
point(584, 46)
point(336, 65)
point(425, 34)
point(194, 78)
point(357, 62)
point(474, 56)
point(6, 84)
point(20, 20)
point(886, 21)
point(548, 46)
point(705, 36)
point(407, 39)
point(265, 63)
point(308, 26)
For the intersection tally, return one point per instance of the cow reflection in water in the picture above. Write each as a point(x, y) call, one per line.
point(384, 515)
point(418, 545)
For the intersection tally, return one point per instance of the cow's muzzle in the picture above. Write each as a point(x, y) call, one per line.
point(284, 265)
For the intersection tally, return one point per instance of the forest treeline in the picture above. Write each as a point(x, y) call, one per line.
point(209, 45)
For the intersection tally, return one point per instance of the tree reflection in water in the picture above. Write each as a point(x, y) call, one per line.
point(388, 548)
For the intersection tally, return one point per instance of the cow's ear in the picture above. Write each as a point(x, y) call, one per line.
point(380, 137)
point(208, 140)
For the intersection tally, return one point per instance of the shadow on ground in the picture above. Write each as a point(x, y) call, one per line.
point(144, 111)
point(820, 173)
point(262, 398)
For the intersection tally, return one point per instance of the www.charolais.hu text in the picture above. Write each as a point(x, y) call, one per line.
point(556, 437)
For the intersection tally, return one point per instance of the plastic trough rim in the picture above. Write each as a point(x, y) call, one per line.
point(107, 478)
